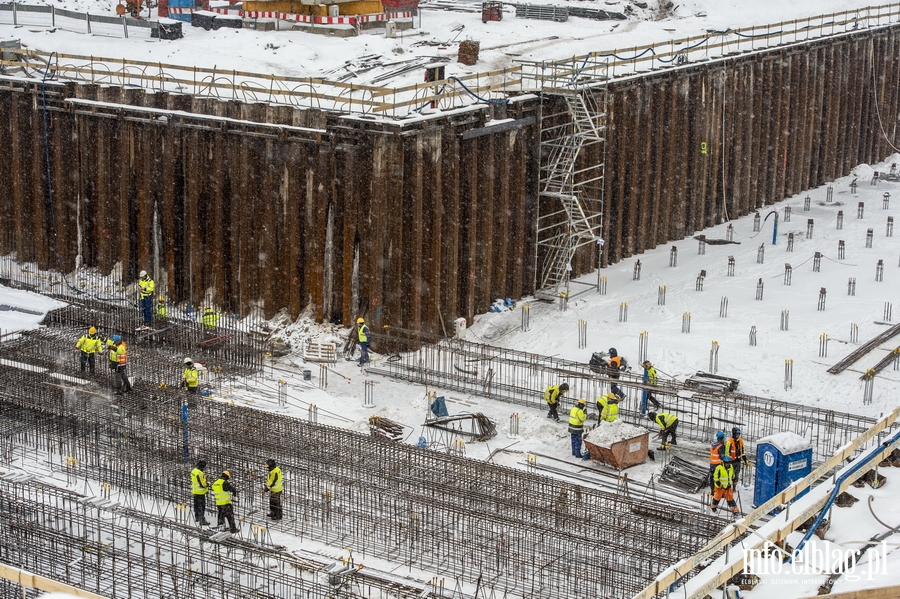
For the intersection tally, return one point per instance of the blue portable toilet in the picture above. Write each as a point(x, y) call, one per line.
point(781, 459)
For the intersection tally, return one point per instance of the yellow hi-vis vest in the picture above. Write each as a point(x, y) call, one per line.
point(723, 477)
point(191, 377)
point(198, 482)
point(222, 496)
point(275, 483)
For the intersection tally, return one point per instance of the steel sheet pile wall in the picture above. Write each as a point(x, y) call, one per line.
point(696, 146)
point(414, 220)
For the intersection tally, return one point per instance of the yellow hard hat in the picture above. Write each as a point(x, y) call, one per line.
point(360, 320)
point(226, 474)
point(162, 299)
point(92, 331)
point(582, 402)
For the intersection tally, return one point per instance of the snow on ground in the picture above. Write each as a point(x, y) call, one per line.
point(436, 35)
point(760, 368)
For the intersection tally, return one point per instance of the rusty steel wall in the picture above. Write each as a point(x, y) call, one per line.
point(416, 222)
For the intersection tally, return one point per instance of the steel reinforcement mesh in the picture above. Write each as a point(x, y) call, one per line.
point(520, 377)
point(498, 528)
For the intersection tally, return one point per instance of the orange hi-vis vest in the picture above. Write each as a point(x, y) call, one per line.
point(715, 456)
point(734, 447)
point(122, 353)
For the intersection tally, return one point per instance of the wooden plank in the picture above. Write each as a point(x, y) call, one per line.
point(35, 581)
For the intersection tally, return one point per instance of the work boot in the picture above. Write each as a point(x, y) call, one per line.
point(234, 530)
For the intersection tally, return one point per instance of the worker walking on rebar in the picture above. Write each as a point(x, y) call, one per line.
point(123, 385)
point(734, 448)
point(89, 345)
point(199, 489)
point(223, 491)
point(650, 378)
point(716, 456)
point(274, 487)
point(147, 288)
point(577, 418)
point(616, 365)
point(552, 395)
point(723, 486)
point(668, 424)
point(362, 332)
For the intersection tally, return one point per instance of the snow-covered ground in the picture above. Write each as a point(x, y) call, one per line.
point(760, 368)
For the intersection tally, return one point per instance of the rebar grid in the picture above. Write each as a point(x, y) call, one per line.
point(520, 532)
point(121, 552)
point(520, 378)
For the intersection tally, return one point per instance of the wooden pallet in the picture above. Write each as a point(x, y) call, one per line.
point(320, 352)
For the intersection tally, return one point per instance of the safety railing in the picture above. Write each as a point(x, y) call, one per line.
point(452, 92)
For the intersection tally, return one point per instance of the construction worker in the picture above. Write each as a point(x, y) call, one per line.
point(608, 407)
point(716, 455)
point(552, 395)
point(274, 487)
point(210, 318)
point(147, 288)
point(223, 491)
point(734, 448)
point(668, 424)
point(89, 344)
point(577, 418)
point(199, 489)
point(650, 378)
point(616, 366)
point(111, 344)
point(161, 310)
point(362, 332)
point(190, 378)
point(723, 486)
point(122, 364)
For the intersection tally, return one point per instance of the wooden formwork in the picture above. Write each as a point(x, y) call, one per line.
point(418, 220)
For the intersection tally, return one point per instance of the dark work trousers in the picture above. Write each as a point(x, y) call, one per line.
point(87, 358)
point(275, 510)
point(576, 444)
point(670, 431)
point(552, 413)
point(200, 508)
point(226, 512)
point(147, 308)
point(122, 383)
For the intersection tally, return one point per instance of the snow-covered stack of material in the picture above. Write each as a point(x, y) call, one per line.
point(618, 444)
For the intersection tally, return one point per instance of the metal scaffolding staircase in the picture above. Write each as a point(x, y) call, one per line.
point(573, 153)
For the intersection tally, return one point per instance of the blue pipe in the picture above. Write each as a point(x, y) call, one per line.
point(837, 486)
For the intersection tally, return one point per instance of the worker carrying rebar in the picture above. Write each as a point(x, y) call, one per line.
point(210, 319)
point(734, 448)
point(716, 456)
point(552, 395)
point(147, 287)
point(362, 332)
point(668, 424)
point(608, 407)
point(274, 486)
point(223, 491)
point(89, 345)
point(723, 486)
point(199, 489)
point(577, 418)
point(650, 378)
point(123, 385)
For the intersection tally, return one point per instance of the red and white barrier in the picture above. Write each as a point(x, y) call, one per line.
point(284, 16)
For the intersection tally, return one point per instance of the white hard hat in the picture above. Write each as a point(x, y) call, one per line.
point(143, 273)
point(188, 361)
